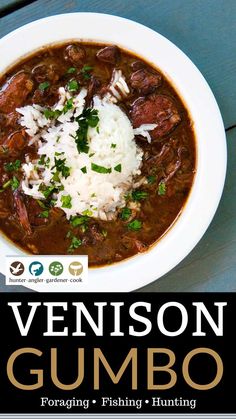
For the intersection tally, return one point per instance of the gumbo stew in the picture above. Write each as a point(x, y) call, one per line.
point(97, 153)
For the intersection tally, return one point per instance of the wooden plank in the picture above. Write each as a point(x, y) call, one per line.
point(10, 5)
point(211, 266)
point(205, 30)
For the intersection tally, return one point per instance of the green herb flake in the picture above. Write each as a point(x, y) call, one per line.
point(100, 169)
point(93, 196)
point(104, 233)
point(66, 201)
point(6, 185)
point(71, 70)
point(43, 86)
point(44, 214)
point(84, 169)
point(151, 179)
point(125, 213)
point(87, 213)
point(134, 225)
point(15, 183)
point(85, 71)
point(75, 243)
point(68, 106)
point(42, 160)
point(113, 145)
point(78, 220)
point(138, 195)
point(161, 189)
point(73, 86)
point(88, 118)
point(41, 204)
point(61, 168)
point(118, 168)
point(12, 166)
point(46, 190)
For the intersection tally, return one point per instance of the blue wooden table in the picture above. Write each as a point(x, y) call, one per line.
point(206, 31)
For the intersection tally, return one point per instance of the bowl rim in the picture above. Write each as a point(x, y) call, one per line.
point(182, 237)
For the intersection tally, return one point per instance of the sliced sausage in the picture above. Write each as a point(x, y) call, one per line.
point(155, 109)
point(14, 92)
point(109, 54)
point(145, 81)
point(76, 54)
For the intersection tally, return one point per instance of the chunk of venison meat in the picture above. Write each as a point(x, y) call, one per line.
point(46, 71)
point(145, 81)
point(76, 54)
point(14, 92)
point(35, 213)
point(109, 54)
point(21, 212)
point(93, 85)
point(16, 142)
point(155, 109)
point(93, 235)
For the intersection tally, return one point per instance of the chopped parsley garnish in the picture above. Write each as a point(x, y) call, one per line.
point(73, 85)
point(43, 86)
point(44, 214)
point(79, 220)
point(42, 160)
point(15, 183)
point(85, 71)
point(93, 196)
point(68, 105)
point(118, 168)
point(75, 243)
point(71, 70)
point(134, 225)
point(113, 145)
point(88, 118)
point(87, 213)
point(46, 190)
point(60, 168)
point(151, 179)
point(104, 233)
point(84, 169)
point(125, 213)
point(138, 195)
point(66, 201)
point(41, 204)
point(50, 114)
point(12, 166)
point(100, 169)
point(6, 185)
point(161, 188)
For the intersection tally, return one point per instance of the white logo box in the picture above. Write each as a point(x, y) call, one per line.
point(47, 273)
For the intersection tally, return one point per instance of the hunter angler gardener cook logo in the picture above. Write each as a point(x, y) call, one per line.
point(54, 271)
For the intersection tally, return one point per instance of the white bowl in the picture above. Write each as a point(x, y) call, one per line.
point(195, 92)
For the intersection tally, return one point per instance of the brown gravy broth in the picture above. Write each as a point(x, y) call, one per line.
point(168, 163)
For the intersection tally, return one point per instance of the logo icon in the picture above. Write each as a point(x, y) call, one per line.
point(17, 268)
point(56, 268)
point(76, 268)
point(36, 268)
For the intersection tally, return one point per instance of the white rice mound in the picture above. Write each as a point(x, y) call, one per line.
point(111, 143)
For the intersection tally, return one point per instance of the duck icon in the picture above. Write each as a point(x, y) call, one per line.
point(17, 268)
